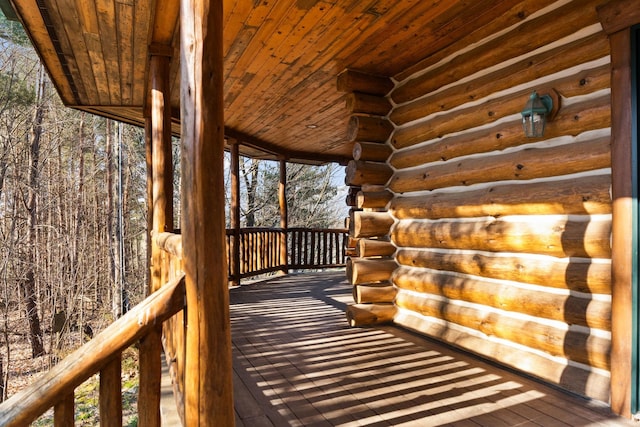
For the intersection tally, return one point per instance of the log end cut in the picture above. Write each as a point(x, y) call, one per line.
point(370, 314)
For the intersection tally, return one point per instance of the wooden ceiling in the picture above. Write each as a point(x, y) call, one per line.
point(281, 57)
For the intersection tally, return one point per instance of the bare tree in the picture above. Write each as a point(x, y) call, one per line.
point(310, 194)
point(250, 176)
point(58, 218)
point(28, 283)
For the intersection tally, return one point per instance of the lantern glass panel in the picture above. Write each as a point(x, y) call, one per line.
point(534, 125)
point(534, 115)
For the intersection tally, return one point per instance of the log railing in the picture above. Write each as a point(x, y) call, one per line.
point(259, 249)
point(101, 354)
point(307, 248)
point(310, 248)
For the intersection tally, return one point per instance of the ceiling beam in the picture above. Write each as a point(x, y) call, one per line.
point(250, 141)
point(165, 21)
point(270, 148)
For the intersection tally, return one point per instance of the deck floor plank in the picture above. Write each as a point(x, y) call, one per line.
point(297, 363)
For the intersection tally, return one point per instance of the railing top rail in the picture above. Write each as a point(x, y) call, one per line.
point(328, 230)
point(278, 229)
point(260, 229)
point(170, 242)
point(24, 407)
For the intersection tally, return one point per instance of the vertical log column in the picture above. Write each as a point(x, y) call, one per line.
point(371, 264)
point(208, 388)
point(235, 212)
point(622, 246)
point(160, 191)
point(284, 216)
point(161, 155)
point(617, 17)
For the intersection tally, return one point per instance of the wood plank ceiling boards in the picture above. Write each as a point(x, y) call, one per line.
point(281, 58)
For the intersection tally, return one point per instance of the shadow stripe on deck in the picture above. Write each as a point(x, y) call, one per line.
point(297, 363)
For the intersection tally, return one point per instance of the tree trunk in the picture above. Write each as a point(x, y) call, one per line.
point(28, 283)
point(252, 188)
point(110, 210)
point(77, 283)
point(2, 384)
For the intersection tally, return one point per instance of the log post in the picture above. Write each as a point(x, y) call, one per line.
point(284, 216)
point(209, 388)
point(162, 168)
point(235, 212)
point(162, 204)
point(622, 248)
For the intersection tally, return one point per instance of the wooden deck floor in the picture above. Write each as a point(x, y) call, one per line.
point(297, 363)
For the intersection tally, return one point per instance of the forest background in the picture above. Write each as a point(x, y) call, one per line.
point(73, 227)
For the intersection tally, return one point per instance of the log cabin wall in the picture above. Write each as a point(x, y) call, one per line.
point(503, 242)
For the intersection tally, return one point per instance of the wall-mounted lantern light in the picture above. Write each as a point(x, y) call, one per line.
point(537, 111)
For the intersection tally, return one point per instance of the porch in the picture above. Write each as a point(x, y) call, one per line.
point(432, 91)
point(296, 362)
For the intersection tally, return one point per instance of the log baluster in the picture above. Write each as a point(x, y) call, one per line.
point(64, 411)
point(150, 378)
point(301, 245)
point(111, 393)
point(234, 212)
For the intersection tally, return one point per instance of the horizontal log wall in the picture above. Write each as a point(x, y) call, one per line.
point(503, 242)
